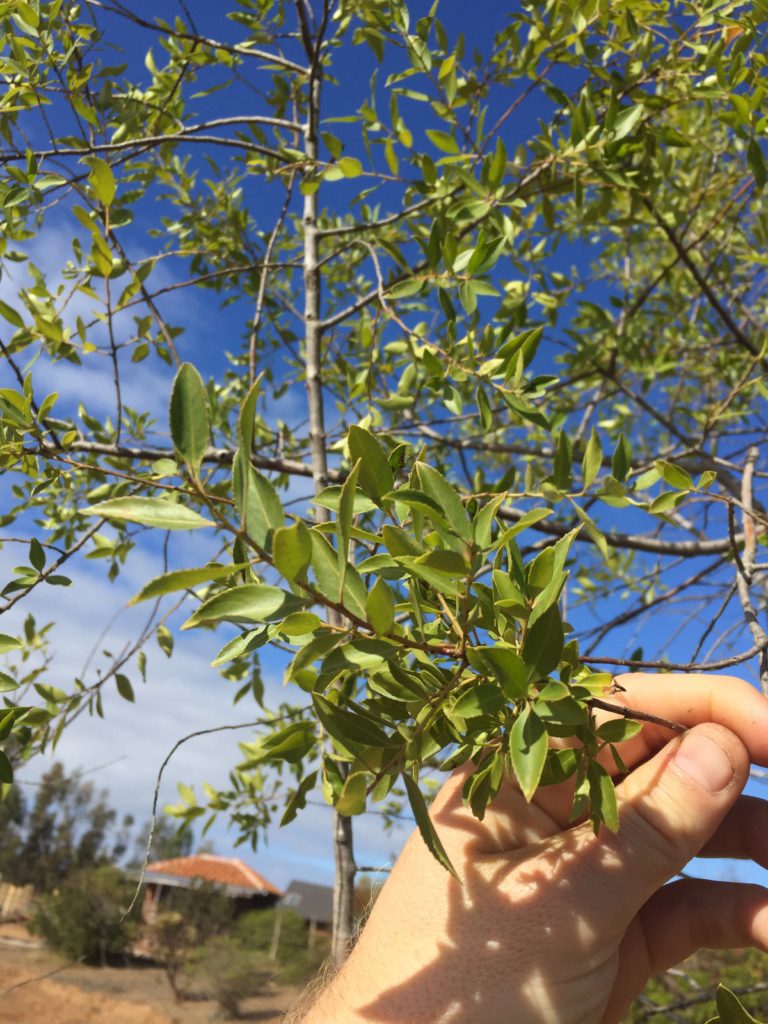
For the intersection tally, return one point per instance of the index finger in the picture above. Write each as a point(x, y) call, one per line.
point(691, 699)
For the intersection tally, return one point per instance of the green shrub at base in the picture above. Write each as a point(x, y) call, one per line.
point(81, 919)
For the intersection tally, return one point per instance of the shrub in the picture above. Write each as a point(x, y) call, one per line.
point(295, 962)
point(81, 919)
point(229, 972)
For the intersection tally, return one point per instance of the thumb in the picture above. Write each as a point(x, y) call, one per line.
point(669, 807)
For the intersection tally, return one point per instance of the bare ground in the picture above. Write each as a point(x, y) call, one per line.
point(78, 994)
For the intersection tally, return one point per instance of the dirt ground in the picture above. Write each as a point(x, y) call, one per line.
point(109, 995)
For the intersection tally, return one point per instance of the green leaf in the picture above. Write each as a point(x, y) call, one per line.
point(445, 496)
point(325, 565)
point(344, 523)
point(602, 796)
point(730, 1008)
point(252, 602)
point(101, 179)
point(675, 476)
point(246, 416)
point(329, 498)
point(165, 515)
point(442, 140)
point(292, 549)
point(528, 749)
point(424, 823)
point(8, 683)
point(756, 162)
point(543, 644)
point(36, 554)
point(351, 800)
point(300, 624)
point(380, 607)
point(9, 313)
point(478, 699)
point(561, 473)
point(348, 724)
point(298, 799)
point(593, 531)
point(592, 461)
point(183, 579)
point(240, 645)
point(164, 640)
point(622, 457)
point(256, 500)
point(618, 730)
point(503, 664)
point(376, 477)
point(124, 687)
point(626, 121)
point(6, 770)
point(9, 643)
point(426, 569)
point(190, 419)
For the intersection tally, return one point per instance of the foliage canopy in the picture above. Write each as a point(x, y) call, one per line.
point(496, 290)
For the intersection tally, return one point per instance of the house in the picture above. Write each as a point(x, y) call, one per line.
point(247, 888)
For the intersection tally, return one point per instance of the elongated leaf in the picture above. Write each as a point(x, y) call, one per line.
point(9, 643)
point(292, 549)
point(528, 749)
point(380, 607)
point(6, 770)
point(245, 418)
point(424, 822)
point(8, 683)
point(298, 800)
point(352, 797)
point(347, 724)
point(101, 179)
point(730, 1009)
point(602, 796)
point(592, 461)
point(256, 501)
point(165, 515)
point(344, 523)
point(543, 644)
point(376, 477)
point(252, 602)
point(446, 497)
point(124, 687)
point(243, 644)
point(478, 699)
point(325, 565)
point(190, 419)
point(503, 664)
point(182, 579)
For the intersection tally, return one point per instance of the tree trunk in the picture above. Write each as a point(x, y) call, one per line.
point(344, 881)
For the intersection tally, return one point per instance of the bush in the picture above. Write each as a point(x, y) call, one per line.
point(188, 919)
point(295, 962)
point(81, 919)
point(229, 972)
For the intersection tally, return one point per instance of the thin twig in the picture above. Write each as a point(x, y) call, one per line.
point(159, 779)
point(746, 568)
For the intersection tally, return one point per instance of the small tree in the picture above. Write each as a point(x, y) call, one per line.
point(187, 919)
point(83, 917)
point(229, 972)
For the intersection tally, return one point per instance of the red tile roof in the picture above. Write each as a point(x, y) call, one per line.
point(220, 870)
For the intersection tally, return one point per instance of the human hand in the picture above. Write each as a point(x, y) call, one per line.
point(553, 924)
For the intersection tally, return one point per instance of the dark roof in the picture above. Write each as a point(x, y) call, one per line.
point(313, 902)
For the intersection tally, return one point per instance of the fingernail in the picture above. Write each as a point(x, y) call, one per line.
point(705, 762)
